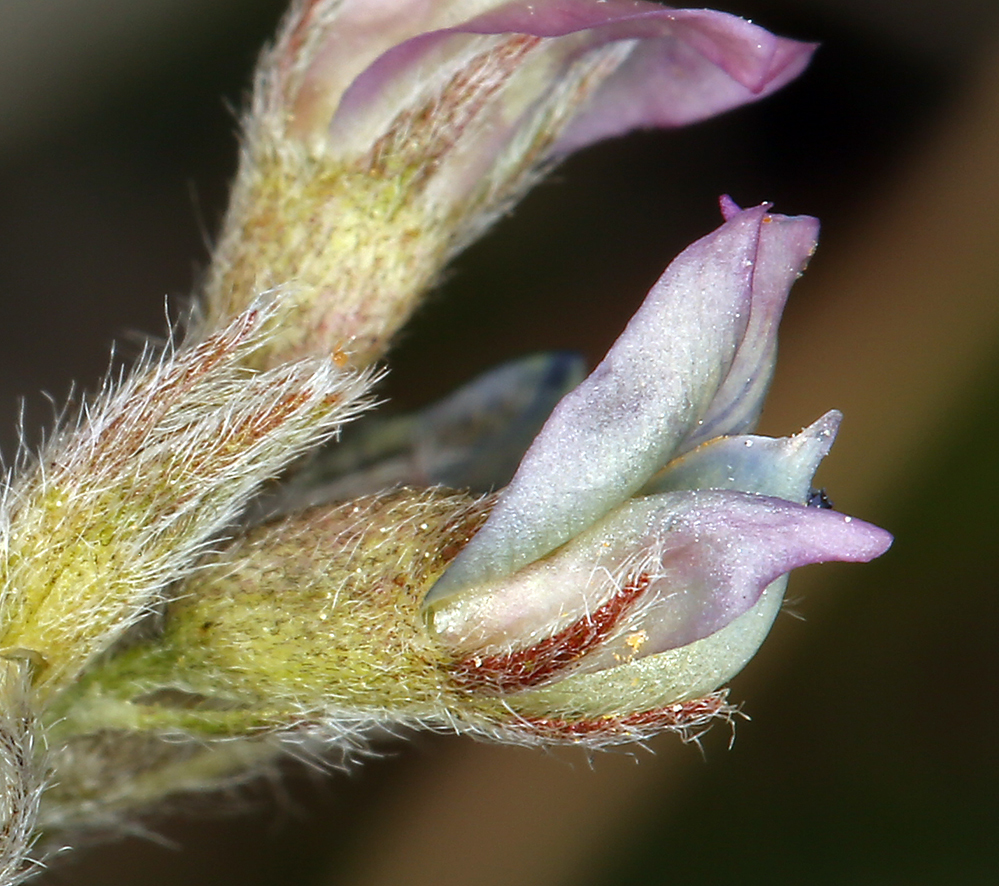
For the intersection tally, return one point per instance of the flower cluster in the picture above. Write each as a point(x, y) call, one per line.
point(183, 594)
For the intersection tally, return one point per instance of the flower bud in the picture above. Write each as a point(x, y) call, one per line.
point(385, 136)
point(121, 505)
point(577, 596)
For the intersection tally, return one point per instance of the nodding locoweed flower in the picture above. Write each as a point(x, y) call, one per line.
point(639, 555)
point(192, 578)
point(386, 134)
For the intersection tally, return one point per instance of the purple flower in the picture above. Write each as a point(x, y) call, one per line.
point(385, 136)
point(476, 77)
point(644, 526)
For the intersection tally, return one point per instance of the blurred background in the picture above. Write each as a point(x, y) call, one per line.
point(872, 752)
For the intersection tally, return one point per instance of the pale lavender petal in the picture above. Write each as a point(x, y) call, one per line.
point(719, 552)
point(703, 63)
point(786, 243)
point(703, 557)
point(608, 436)
point(326, 44)
point(781, 467)
point(684, 65)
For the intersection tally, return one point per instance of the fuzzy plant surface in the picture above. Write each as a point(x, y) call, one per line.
point(195, 575)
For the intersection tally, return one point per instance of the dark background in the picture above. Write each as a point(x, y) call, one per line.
point(871, 755)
